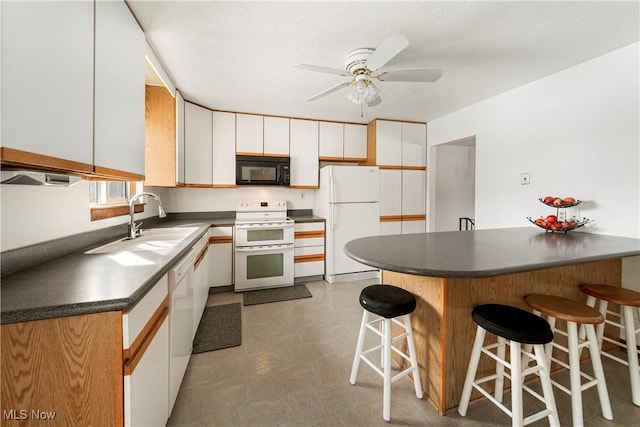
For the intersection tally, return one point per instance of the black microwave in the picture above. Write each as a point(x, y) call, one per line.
point(256, 170)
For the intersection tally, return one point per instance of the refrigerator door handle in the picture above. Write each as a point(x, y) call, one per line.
point(331, 199)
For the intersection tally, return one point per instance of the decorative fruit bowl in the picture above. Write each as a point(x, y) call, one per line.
point(557, 226)
point(557, 202)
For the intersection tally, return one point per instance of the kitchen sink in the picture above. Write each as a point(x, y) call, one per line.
point(154, 239)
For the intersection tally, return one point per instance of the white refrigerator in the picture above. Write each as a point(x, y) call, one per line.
point(348, 198)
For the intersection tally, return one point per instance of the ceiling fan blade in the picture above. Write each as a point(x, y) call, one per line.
point(328, 91)
point(411, 75)
point(321, 69)
point(390, 47)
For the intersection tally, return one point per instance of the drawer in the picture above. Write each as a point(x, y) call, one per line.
point(309, 226)
point(308, 261)
point(134, 321)
point(309, 234)
point(220, 235)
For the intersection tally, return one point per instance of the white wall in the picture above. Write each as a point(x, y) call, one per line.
point(33, 214)
point(455, 196)
point(224, 199)
point(576, 132)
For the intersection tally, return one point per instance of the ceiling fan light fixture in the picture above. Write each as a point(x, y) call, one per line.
point(362, 92)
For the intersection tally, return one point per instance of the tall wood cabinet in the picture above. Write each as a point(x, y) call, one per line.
point(53, 55)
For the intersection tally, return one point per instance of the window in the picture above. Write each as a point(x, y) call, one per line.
point(109, 193)
point(109, 199)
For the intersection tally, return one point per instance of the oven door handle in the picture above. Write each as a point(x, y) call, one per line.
point(263, 248)
point(264, 226)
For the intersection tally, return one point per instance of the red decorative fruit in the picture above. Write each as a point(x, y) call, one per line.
point(566, 225)
point(569, 200)
point(548, 199)
point(540, 222)
point(557, 202)
point(551, 219)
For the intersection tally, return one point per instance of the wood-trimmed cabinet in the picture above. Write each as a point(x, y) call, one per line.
point(309, 252)
point(94, 133)
point(221, 256)
point(342, 142)
point(399, 150)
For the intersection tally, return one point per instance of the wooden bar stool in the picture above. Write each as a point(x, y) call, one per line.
point(518, 327)
point(628, 300)
point(387, 302)
point(574, 313)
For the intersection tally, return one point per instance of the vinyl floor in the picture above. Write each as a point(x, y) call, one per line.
point(293, 368)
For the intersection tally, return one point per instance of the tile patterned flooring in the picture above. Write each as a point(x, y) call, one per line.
point(293, 368)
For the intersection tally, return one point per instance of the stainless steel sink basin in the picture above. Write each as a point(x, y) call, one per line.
point(155, 239)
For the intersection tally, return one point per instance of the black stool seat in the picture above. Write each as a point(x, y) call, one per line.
point(513, 323)
point(387, 301)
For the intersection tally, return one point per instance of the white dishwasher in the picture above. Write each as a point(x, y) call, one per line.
point(180, 322)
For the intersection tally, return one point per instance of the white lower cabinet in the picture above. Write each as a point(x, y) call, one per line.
point(309, 249)
point(220, 256)
point(145, 338)
point(199, 280)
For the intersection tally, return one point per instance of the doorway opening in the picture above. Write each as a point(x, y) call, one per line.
point(453, 185)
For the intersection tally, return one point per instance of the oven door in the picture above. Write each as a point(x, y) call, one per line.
point(263, 267)
point(261, 234)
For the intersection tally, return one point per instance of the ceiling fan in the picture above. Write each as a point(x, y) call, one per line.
point(363, 65)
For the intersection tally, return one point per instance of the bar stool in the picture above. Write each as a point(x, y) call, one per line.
point(518, 327)
point(574, 313)
point(387, 302)
point(628, 300)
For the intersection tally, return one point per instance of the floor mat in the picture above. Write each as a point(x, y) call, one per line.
point(264, 296)
point(220, 327)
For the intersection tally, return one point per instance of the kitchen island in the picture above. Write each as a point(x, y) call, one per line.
point(451, 272)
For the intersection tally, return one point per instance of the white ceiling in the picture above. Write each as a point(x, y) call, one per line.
point(238, 56)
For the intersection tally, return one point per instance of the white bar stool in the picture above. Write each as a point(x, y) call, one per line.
point(387, 302)
point(628, 300)
point(574, 313)
point(518, 327)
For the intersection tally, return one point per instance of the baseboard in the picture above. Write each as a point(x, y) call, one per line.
point(348, 277)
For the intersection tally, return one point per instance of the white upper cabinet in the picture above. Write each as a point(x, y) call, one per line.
point(355, 142)
point(249, 134)
point(390, 193)
point(179, 138)
point(198, 157)
point(276, 136)
point(331, 141)
point(223, 149)
point(304, 153)
point(388, 143)
point(119, 91)
point(414, 144)
point(47, 82)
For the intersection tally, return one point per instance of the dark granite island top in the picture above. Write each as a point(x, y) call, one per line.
point(485, 253)
point(451, 272)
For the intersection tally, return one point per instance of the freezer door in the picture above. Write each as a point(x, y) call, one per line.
point(354, 184)
point(350, 221)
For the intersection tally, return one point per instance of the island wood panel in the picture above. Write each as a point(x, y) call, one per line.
point(71, 366)
point(446, 330)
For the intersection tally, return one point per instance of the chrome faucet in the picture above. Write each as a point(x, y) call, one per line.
point(134, 229)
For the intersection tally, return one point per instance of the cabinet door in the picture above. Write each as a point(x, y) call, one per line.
point(224, 152)
point(47, 82)
point(146, 390)
point(276, 136)
point(119, 92)
point(414, 144)
point(249, 131)
point(388, 143)
point(390, 194)
point(179, 138)
point(197, 146)
point(330, 141)
point(221, 256)
point(390, 227)
point(410, 227)
point(355, 142)
point(304, 153)
point(413, 192)
point(160, 140)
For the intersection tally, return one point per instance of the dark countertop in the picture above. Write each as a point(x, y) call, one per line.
point(78, 283)
point(486, 253)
